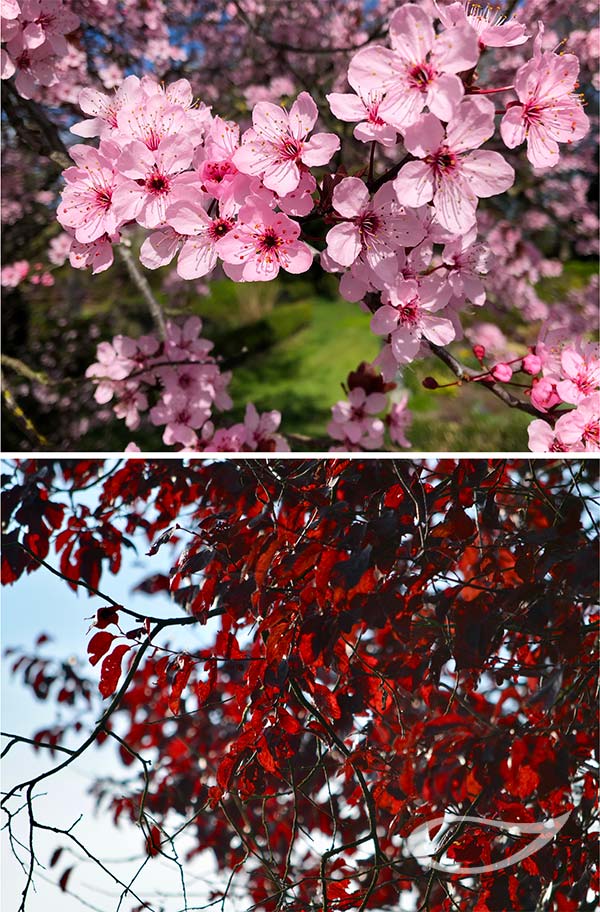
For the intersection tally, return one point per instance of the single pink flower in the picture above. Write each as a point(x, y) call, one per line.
point(409, 316)
point(545, 439)
point(420, 70)
point(88, 200)
point(261, 243)
point(163, 179)
point(181, 418)
point(582, 376)
point(549, 111)
point(260, 431)
point(467, 260)
point(103, 108)
point(363, 107)
point(453, 180)
point(375, 228)
point(202, 233)
point(276, 148)
point(399, 419)
point(353, 421)
point(580, 428)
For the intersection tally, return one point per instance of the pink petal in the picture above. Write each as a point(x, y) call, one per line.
point(512, 128)
point(319, 149)
point(346, 107)
point(198, 257)
point(298, 258)
point(415, 185)
point(445, 95)
point(456, 50)
point(411, 33)
point(343, 243)
point(487, 173)
point(350, 197)
point(159, 248)
point(472, 125)
point(455, 205)
point(270, 121)
point(384, 320)
point(424, 136)
point(303, 116)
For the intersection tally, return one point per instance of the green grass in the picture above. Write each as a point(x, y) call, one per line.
point(301, 375)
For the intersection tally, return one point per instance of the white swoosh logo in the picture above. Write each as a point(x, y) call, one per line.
point(420, 845)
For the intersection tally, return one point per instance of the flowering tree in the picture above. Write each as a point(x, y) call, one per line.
point(334, 653)
point(452, 104)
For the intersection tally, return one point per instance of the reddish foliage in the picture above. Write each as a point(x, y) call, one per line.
point(384, 641)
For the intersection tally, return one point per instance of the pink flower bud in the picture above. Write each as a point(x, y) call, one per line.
point(502, 372)
point(544, 395)
point(479, 352)
point(532, 364)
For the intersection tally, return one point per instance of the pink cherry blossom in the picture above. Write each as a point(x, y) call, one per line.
point(549, 111)
point(410, 315)
point(353, 422)
point(260, 431)
point(181, 417)
point(420, 70)
point(580, 428)
point(453, 180)
point(468, 260)
point(88, 200)
point(582, 376)
point(375, 228)
point(501, 372)
point(262, 242)
point(58, 248)
point(201, 233)
point(276, 148)
point(363, 107)
point(398, 420)
point(13, 275)
point(164, 175)
point(103, 108)
point(545, 439)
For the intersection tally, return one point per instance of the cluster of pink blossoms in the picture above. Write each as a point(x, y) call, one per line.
point(405, 243)
point(359, 421)
point(15, 273)
point(565, 375)
point(185, 383)
point(34, 32)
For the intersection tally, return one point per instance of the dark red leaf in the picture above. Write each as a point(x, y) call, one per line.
point(99, 646)
point(111, 670)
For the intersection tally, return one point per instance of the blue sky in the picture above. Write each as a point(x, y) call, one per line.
point(39, 603)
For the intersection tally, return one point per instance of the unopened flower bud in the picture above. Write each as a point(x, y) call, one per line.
point(502, 372)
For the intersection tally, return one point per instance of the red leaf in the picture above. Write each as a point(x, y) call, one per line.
point(62, 883)
point(186, 664)
point(111, 670)
point(153, 842)
point(266, 759)
point(99, 646)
